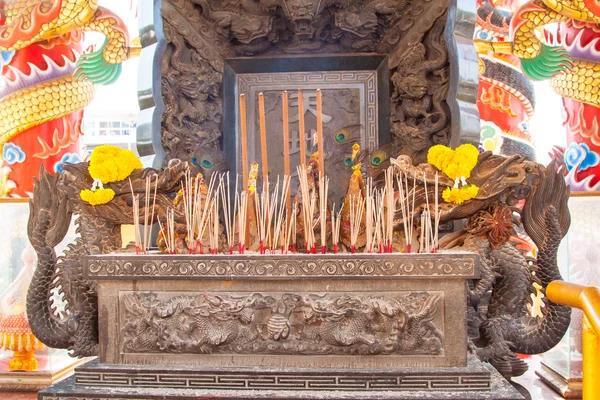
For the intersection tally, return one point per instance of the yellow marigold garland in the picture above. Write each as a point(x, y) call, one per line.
point(112, 164)
point(98, 196)
point(455, 163)
point(108, 164)
point(459, 196)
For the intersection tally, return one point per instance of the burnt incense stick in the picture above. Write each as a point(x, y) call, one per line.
point(263, 137)
point(301, 128)
point(244, 139)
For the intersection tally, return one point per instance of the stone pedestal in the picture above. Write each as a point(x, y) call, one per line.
point(377, 326)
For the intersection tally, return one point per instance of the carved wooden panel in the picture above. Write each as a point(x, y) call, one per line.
point(200, 34)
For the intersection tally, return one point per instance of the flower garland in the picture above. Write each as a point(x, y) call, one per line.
point(459, 196)
point(108, 164)
point(97, 197)
point(112, 164)
point(456, 164)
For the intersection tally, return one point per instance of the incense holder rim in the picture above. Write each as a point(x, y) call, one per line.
point(447, 265)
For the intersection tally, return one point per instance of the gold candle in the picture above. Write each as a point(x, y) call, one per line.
point(263, 137)
point(320, 132)
point(301, 128)
point(244, 131)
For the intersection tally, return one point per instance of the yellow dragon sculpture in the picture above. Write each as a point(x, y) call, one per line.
point(574, 78)
point(25, 22)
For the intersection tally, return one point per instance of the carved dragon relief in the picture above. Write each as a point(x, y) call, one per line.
point(201, 34)
point(284, 323)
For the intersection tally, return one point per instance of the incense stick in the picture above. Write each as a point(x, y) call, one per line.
point(323, 189)
point(335, 227)
point(369, 216)
point(390, 208)
point(301, 128)
point(286, 145)
point(169, 232)
point(136, 218)
point(263, 137)
point(307, 207)
point(321, 145)
point(279, 216)
point(402, 196)
point(228, 216)
point(291, 220)
point(244, 139)
point(437, 215)
point(357, 208)
point(242, 211)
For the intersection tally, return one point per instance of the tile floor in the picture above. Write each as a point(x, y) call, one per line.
point(538, 390)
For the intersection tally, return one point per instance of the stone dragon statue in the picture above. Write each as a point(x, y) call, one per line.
point(56, 200)
point(505, 183)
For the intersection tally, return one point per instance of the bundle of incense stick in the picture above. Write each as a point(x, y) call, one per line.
point(168, 232)
point(261, 203)
point(280, 207)
point(203, 212)
point(308, 209)
point(323, 189)
point(241, 209)
point(407, 199)
point(228, 215)
point(357, 208)
point(431, 228)
point(290, 238)
point(436, 244)
point(379, 220)
point(271, 211)
point(390, 208)
point(136, 222)
point(149, 222)
point(405, 208)
point(142, 243)
point(191, 197)
point(335, 227)
point(213, 230)
point(369, 216)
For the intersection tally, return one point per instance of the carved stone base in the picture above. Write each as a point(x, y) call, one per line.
point(569, 388)
point(102, 381)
